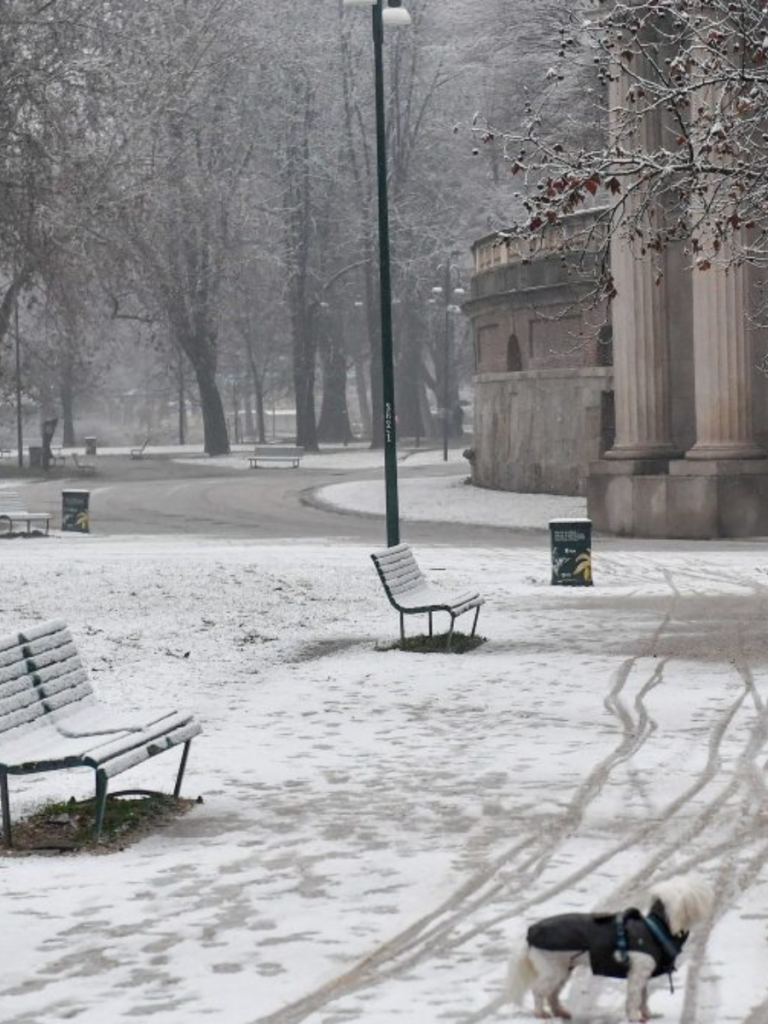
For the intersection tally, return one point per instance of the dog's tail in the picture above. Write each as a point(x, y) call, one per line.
point(522, 974)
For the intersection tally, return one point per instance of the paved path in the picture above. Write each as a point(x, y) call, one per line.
point(160, 495)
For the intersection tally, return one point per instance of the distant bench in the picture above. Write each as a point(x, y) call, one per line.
point(275, 453)
point(51, 719)
point(408, 591)
point(84, 466)
point(138, 453)
point(12, 510)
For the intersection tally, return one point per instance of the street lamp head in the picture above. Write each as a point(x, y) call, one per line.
point(395, 16)
point(391, 14)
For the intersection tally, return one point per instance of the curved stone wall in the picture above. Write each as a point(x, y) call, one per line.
point(536, 431)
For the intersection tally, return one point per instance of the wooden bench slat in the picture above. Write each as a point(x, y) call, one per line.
point(117, 764)
point(10, 672)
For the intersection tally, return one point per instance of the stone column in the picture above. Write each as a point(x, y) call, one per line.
point(722, 366)
point(721, 343)
point(640, 346)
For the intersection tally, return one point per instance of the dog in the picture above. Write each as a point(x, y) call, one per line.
point(626, 944)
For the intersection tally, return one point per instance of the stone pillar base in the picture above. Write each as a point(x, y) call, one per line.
point(694, 500)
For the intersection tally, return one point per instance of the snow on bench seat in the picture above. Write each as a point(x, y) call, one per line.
point(51, 719)
point(409, 592)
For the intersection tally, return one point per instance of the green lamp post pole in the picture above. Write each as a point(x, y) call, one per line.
point(385, 281)
point(17, 357)
point(389, 12)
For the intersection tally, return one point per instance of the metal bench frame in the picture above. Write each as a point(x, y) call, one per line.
point(50, 719)
point(408, 591)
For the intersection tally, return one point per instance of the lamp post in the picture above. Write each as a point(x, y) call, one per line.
point(392, 14)
point(17, 356)
point(447, 291)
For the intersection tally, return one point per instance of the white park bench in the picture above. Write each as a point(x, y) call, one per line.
point(51, 719)
point(270, 453)
point(12, 510)
point(408, 590)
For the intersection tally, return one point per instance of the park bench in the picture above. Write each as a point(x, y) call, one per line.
point(408, 591)
point(275, 453)
point(51, 719)
point(12, 510)
point(83, 466)
point(138, 453)
point(5, 452)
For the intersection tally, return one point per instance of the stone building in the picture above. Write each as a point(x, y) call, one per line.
point(543, 378)
point(666, 428)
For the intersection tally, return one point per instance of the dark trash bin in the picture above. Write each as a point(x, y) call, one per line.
point(35, 456)
point(74, 511)
point(90, 445)
point(571, 552)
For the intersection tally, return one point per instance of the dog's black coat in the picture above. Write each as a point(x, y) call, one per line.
point(598, 935)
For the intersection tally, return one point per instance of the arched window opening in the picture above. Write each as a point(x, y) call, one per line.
point(514, 359)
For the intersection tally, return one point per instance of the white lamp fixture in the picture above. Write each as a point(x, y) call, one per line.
point(395, 16)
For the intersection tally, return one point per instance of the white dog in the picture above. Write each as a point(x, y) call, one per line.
point(626, 944)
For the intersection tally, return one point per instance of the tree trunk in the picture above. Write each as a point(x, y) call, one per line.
point(372, 306)
point(334, 414)
point(67, 411)
point(216, 437)
point(304, 380)
point(201, 352)
point(410, 376)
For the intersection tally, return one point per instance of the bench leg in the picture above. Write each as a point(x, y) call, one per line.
point(474, 624)
point(102, 782)
point(402, 628)
point(430, 623)
point(450, 633)
point(6, 808)
point(182, 766)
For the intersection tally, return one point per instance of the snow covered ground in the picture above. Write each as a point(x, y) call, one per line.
point(377, 827)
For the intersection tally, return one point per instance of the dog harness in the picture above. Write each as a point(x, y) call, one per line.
point(609, 939)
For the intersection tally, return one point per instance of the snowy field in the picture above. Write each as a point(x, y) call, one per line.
point(377, 827)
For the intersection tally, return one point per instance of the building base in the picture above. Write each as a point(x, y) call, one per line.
point(679, 498)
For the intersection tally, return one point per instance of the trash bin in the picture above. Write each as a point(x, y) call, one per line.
point(90, 446)
point(74, 511)
point(571, 552)
point(35, 457)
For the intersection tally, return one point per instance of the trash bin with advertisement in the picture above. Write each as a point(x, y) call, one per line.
point(75, 517)
point(571, 552)
point(90, 445)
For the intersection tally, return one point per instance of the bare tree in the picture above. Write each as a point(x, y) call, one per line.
point(697, 70)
